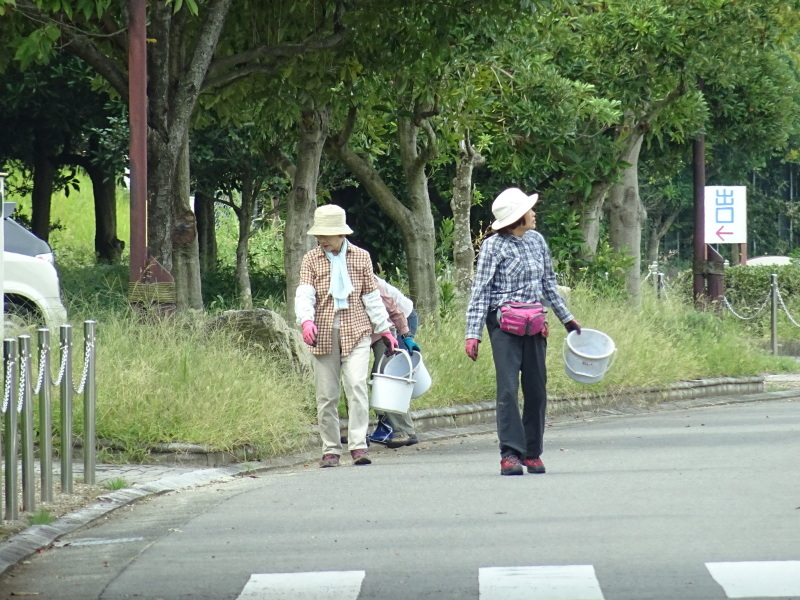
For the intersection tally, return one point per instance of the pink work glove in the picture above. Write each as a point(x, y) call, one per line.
point(309, 332)
point(573, 325)
point(391, 342)
point(471, 347)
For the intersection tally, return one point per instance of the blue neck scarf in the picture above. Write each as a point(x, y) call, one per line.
point(341, 285)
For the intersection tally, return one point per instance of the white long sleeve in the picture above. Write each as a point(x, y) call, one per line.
point(376, 311)
point(305, 302)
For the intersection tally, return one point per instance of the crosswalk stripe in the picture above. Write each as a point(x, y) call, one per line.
point(765, 579)
point(570, 582)
point(319, 585)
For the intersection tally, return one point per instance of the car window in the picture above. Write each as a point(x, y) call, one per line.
point(20, 240)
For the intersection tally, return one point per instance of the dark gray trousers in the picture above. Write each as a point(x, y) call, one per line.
point(519, 434)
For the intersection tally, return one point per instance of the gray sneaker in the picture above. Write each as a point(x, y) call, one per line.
point(400, 439)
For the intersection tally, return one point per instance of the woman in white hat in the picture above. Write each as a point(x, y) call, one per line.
point(339, 307)
point(515, 266)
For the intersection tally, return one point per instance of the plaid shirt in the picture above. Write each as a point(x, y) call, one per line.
point(512, 269)
point(354, 323)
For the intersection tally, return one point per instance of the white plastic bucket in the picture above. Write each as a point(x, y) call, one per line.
point(588, 356)
point(392, 384)
point(420, 374)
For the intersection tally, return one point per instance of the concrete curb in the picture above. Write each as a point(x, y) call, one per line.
point(465, 415)
point(439, 423)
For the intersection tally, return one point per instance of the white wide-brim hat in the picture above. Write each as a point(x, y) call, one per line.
point(510, 205)
point(329, 220)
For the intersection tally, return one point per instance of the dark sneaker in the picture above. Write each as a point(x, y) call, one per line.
point(381, 435)
point(510, 465)
point(360, 457)
point(534, 465)
point(400, 439)
point(329, 460)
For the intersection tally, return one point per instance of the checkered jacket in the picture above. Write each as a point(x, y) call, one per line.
point(354, 322)
point(513, 269)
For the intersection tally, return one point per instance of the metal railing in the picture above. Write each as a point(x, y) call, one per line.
point(18, 416)
point(775, 300)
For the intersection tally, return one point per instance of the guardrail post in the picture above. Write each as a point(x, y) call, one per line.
point(774, 315)
point(89, 403)
point(10, 429)
point(28, 487)
point(66, 409)
point(659, 285)
point(45, 417)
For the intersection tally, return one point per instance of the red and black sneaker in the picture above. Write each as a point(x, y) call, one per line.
point(534, 465)
point(510, 465)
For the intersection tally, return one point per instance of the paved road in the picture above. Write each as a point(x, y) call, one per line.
point(689, 504)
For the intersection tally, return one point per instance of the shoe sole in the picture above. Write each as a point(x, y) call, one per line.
point(364, 460)
point(511, 471)
point(536, 470)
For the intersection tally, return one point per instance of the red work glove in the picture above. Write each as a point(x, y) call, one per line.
point(471, 347)
point(390, 341)
point(309, 332)
point(573, 325)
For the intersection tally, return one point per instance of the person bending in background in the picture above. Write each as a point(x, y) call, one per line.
point(339, 307)
point(514, 265)
point(395, 430)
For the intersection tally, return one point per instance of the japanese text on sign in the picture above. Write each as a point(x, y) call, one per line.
point(725, 214)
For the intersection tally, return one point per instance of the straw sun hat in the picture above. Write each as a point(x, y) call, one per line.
point(329, 220)
point(510, 205)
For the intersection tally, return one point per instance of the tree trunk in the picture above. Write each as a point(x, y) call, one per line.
point(185, 251)
point(415, 223)
point(461, 205)
point(107, 246)
point(591, 216)
point(206, 231)
point(176, 73)
point(659, 228)
point(245, 217)
point(44, 171)
point(302, 200)
point(627, 215)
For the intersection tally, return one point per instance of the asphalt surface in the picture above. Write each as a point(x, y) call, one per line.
point(151, 480)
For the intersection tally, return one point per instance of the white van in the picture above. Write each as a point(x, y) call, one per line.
point(32, 291)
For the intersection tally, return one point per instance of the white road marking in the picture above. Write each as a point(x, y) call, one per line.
point(767, 579)
point(570, 582)
point(320, 585)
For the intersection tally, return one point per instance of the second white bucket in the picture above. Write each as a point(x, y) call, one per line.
point(392, 383)
point(588, 356)
point(420, 374)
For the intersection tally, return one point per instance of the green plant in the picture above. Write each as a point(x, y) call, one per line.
point(41, 517)
point(116, 484)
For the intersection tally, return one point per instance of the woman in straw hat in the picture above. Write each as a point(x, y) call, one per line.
point(515, 266)
point(339, 307)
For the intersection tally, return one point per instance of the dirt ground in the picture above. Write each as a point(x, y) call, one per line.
point(62, 504)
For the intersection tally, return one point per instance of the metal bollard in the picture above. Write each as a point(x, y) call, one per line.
point(89, 404)
point(28, 487)
point(773, 321)
point(10, 428)
point(66, 409)
point(45, 417)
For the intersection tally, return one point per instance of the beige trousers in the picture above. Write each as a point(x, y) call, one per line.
point(330, 371)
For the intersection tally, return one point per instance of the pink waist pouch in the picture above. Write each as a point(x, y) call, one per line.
point(520, 318)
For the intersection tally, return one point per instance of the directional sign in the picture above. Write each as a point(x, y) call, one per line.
point(725, 214)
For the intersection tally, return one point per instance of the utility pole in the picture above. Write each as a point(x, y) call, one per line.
point(699, 257)
point(150, 285)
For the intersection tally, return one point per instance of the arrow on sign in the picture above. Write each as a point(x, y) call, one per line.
point(720, 233)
